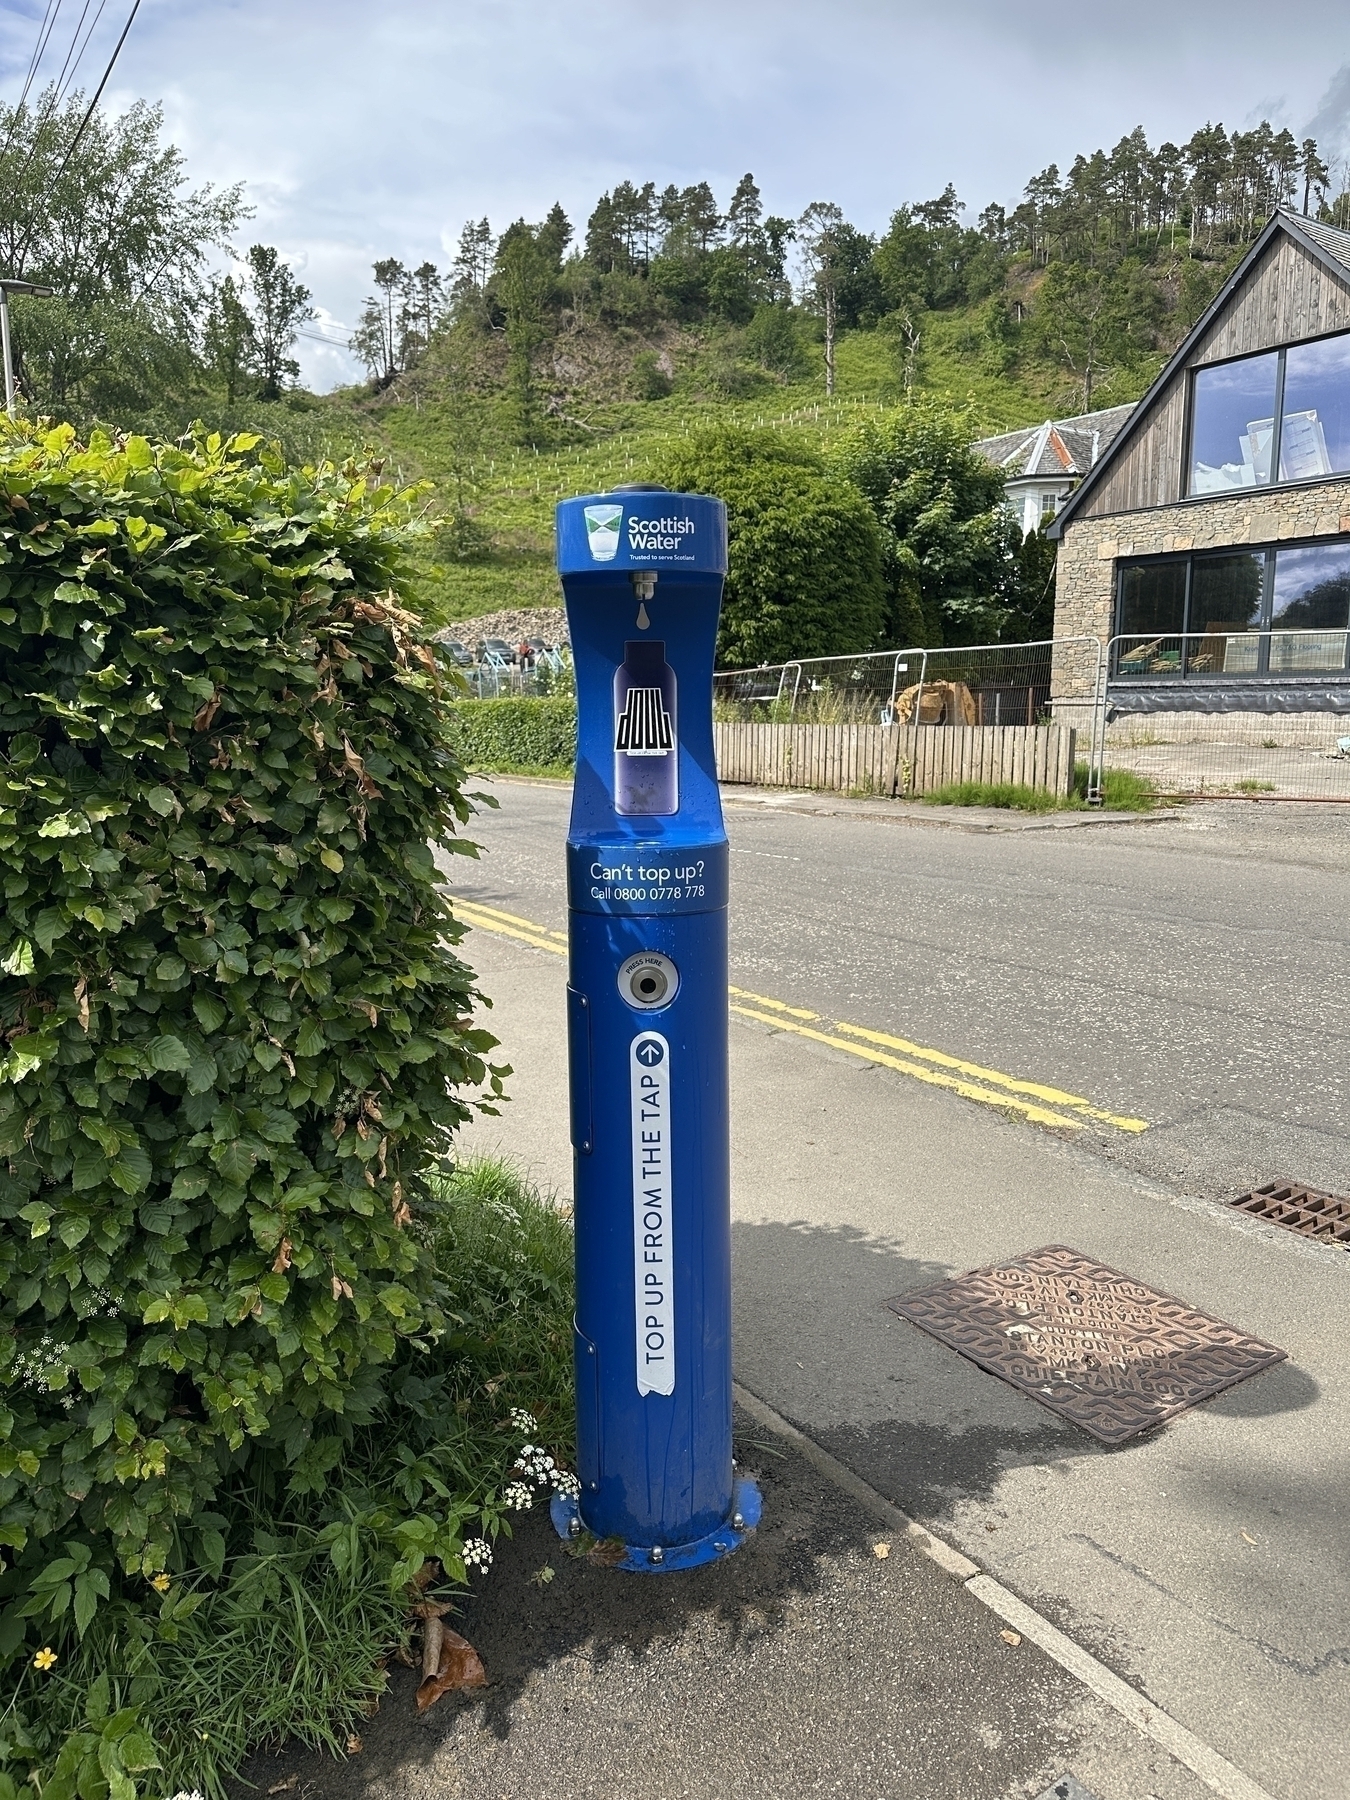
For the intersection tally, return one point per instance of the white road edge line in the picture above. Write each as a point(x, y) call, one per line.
point(1217, 1773)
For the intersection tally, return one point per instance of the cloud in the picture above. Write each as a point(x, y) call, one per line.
point(1330, 124)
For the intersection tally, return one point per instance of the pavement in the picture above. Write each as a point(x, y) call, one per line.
point(951, 1045)
point(806, 1665)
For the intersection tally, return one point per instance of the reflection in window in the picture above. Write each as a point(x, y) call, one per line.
point(1315, 429)
point(1152, 616)
point(1226, 594)
point(1312, 600)
point(1232, 423)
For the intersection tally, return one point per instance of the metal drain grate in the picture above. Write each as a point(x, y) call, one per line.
point(1300, 1209)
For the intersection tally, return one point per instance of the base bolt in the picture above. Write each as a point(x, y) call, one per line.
point(574, 1527)
point(658, 1554)
point(737, 1522)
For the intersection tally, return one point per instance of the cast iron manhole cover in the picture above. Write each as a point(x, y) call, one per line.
point(1300, 1209)
point(1110, 1354)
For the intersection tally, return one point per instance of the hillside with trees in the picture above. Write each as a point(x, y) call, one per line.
point(553, 356)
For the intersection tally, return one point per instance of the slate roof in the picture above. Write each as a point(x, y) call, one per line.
point(1335, 243)
point(1057, 447)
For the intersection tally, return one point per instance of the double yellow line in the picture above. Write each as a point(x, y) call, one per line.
point(1030, 1100)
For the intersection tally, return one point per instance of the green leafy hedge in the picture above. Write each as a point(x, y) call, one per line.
point(232, 1022)
point(523, 733)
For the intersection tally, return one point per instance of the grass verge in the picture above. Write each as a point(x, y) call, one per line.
point(1122, 791)
point(287, 1637)
point(500, 766)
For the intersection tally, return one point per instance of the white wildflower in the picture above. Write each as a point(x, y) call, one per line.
point(477, 1553)
point(567, 1483)
point(535, 1464)
point(519, 1496)
point(522, 1420)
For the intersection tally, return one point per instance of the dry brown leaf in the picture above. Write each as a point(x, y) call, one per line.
point(82, 1001)
point(433, 1640)
point(431, 1609)
point(341, 1289)
point(608, 1553)
point(460, 1667)
point(201, 719)
point(284, 1787)
point(881, 1551)
point(1011, 1637)
point(354, 1745)
point(283, 1261)
point(1248, 1538)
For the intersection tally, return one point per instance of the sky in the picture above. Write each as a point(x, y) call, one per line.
point(370, 128)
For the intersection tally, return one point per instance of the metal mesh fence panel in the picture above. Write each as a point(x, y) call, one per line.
point(1230, 713)
point(906, 721)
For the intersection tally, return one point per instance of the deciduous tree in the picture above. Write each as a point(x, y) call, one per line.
point(280, 307)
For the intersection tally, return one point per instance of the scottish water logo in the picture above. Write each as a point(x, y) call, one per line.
point(602, 531)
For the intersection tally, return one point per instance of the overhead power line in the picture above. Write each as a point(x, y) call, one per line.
point(44, 32)
point(75, 54)
point(98, 94)
point(61, 85)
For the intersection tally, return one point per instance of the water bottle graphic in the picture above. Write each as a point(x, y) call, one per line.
point(646, 742)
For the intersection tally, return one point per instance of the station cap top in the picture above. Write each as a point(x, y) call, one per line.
point(642, 526)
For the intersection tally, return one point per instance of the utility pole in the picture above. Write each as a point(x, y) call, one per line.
point(35, 291)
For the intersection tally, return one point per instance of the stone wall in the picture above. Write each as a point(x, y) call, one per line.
point(1085, 579)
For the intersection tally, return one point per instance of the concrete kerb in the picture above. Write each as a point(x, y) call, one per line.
point(1217, 1773)
point(893, 812)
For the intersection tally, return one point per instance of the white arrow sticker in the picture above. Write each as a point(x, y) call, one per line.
point(653, 1262)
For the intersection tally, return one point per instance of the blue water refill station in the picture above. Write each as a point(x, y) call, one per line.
point(642, 572)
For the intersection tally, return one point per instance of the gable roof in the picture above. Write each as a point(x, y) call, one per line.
point(1325, 243)
point(1058, 447)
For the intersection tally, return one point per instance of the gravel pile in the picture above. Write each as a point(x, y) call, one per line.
point(547, 622)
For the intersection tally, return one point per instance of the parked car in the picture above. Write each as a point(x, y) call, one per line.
point(497, 648)
point(458, 653)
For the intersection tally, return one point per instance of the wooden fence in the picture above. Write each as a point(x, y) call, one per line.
point(895, 759)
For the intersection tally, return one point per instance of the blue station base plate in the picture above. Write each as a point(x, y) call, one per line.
point(644, 1559)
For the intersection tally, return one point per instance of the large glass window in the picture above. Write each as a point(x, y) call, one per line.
point(1312, 605)
point(1152, 617)
point(1315, 425)
point(1233, 436)
point(1280, 611)
point(1232, 423)
point(1226, 595)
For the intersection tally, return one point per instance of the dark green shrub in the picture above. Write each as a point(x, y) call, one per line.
point(649, 380)
point(950, 545)
point(232, 1023)
point(804, 575)
point(522, 733)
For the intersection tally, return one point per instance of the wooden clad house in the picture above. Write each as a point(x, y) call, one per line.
point(1209, 547)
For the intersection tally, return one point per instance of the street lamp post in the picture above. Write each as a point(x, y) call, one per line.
point(35, 291)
